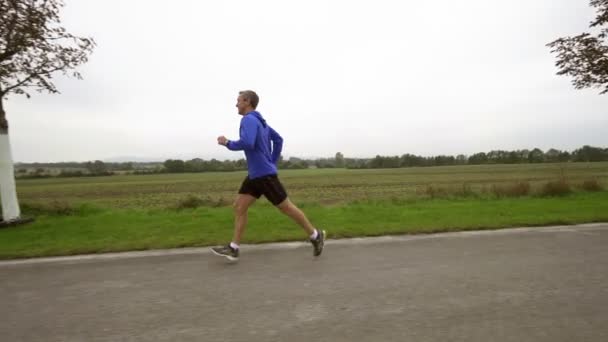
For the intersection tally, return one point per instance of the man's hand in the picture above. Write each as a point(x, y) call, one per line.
point(222, 140)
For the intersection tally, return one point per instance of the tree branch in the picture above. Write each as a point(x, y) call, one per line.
point(32, 76)
point(11, 28)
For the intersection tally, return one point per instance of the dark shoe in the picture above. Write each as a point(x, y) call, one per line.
point(227, 252)
point(318, 243)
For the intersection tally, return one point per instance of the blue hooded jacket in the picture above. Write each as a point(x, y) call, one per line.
point(261, 143)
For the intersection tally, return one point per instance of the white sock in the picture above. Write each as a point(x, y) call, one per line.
point(314, 235)
point(234, 245)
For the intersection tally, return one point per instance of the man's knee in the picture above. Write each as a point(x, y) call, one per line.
point(237, 207)
point(240, 207)
point(286, 206)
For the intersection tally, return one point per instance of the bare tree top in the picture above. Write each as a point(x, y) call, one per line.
point(34, 45)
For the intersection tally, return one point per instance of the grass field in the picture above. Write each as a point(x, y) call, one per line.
point(320, 186)
point(102, 214)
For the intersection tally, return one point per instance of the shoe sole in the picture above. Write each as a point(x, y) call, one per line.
point(229, 257)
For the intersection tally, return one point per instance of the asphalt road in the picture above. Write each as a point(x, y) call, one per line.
point(538, 284)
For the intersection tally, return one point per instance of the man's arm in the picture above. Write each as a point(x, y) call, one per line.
point(277, 144)
point(248, 134)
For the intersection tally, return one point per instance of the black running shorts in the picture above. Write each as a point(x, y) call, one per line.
point(269, 186)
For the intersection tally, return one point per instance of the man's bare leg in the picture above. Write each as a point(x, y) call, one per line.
point(317, 237)
point(241, 207)
point(291, 210)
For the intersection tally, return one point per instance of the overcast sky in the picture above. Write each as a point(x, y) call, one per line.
point(359, 77)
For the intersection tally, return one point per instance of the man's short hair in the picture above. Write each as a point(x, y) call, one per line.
point(251, 96)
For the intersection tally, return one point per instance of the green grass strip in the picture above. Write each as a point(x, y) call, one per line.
point(95, 230)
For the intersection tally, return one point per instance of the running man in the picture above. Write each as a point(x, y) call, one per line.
point(262, 146)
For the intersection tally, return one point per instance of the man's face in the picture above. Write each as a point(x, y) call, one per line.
point(242, 104)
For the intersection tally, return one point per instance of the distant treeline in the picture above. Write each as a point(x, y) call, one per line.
point(99, 168)
point(583, 154)
point(86, 169)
